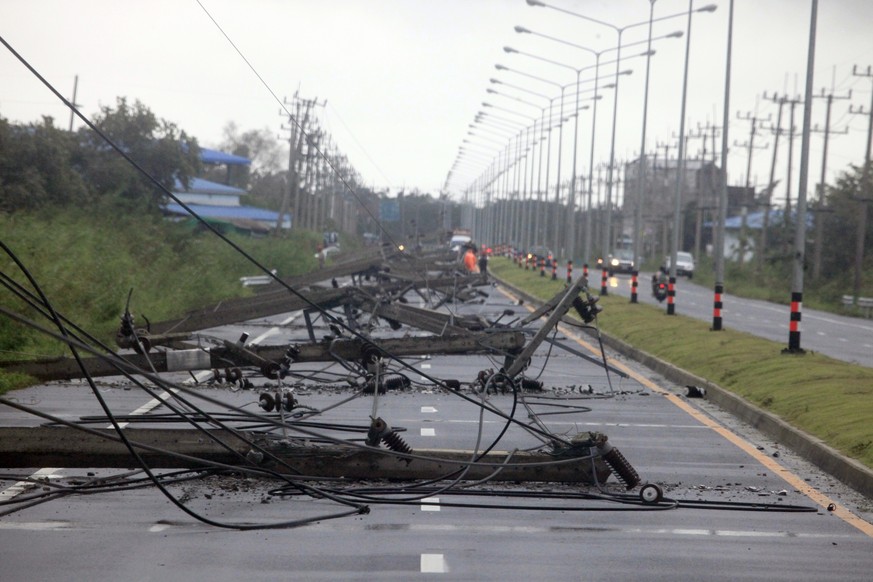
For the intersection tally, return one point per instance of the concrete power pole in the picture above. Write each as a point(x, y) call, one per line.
point(750, 147)
point(819, 209)
point(864, 196)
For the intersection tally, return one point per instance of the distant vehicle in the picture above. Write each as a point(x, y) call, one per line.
point(541, 253)
point(684, 264)
point(459, 241)
point(621, 261)
point(659, 285)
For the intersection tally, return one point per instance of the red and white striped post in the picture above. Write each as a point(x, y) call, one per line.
point(671, 296)
point(634, 285)
point(716, 308)
point(794, 324)
point(604, 277)
point(569, 272)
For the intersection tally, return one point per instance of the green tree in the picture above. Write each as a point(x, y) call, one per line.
point(157, 146)
point(36, 167)
point(842, 200)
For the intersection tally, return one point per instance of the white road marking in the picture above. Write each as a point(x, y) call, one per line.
point(148, 406)
point(430, 504)
point(36, 525)
point(21, 486)
point(159, 527)
point(425, 366)
point(428, 409)
point(428, 432)
point(433, 564)
point(274, 330)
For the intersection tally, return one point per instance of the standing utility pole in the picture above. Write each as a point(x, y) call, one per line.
point(744, 209)
point(820, 201)
point(718, 242)
point(73, 100)
point(864, 196)
point(771, 183)
point(800, 230)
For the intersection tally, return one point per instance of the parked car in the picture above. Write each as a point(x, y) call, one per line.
point(684, 264)
point(621, 261)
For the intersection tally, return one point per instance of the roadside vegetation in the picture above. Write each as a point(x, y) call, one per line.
point(827, 398)
point(87, 263)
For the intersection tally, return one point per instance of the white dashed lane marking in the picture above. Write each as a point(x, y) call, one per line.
point(430, 504)
point(433, 564)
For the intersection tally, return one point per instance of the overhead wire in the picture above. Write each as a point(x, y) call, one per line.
point(73, 343)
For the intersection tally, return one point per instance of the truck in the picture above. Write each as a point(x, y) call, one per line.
point(460, 237)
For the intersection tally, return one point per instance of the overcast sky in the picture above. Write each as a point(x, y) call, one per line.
point(403, 79)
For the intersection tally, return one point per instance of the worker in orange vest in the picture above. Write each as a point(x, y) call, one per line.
point(470, 261)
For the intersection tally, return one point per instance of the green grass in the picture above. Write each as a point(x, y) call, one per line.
point(827, 398)
point(86, 263)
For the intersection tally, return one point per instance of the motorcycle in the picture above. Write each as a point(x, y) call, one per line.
point(659, 286)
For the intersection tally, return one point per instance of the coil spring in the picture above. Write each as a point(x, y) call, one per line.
point(623, 470)
point(393, 441)
point(397, 383)
point(531, 384)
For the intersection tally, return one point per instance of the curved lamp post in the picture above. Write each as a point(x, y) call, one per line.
point(619, 30)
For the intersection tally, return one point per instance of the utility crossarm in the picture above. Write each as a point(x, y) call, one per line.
point(567, 297)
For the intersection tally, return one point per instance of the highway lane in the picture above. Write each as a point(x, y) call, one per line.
point(844, 338)
point(683, 445)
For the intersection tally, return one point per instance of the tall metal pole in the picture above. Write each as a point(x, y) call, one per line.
point(680, 173)
point(556, 223)
point(800, 233)
point(589, 214)
point(607, 244)
point(723, 197)
point(641, 171)
point(571, 198)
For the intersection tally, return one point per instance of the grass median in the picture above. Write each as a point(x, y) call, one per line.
point(827, 398)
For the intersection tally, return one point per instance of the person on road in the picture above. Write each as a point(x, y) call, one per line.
point(470, 261)
point(483, 263)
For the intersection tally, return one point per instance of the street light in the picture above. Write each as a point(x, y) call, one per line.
point(560, 140)
point(619, 30)
point(571, 199)
point(597, 54)
point(514, 220)
point(532, 231)
point(536, 226)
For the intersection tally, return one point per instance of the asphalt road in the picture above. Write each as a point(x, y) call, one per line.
point(688, 448)
point(844, 338)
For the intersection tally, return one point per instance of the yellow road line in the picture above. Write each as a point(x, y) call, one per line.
point(793, 480)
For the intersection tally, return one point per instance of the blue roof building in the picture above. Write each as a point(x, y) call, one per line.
point(220, 203)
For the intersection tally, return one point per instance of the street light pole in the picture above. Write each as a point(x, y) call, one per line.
point(680, 173)
point(641, 171)
point(800, 232)
point(597, 54)
point(723, 197)
point(619, 31)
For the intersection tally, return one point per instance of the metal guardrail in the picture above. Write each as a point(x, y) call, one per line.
point(864, 304)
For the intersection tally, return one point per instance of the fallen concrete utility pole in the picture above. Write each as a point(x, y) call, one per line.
point(221, 357)
point(283, 301)
point(186, 448)
point(515, 364)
